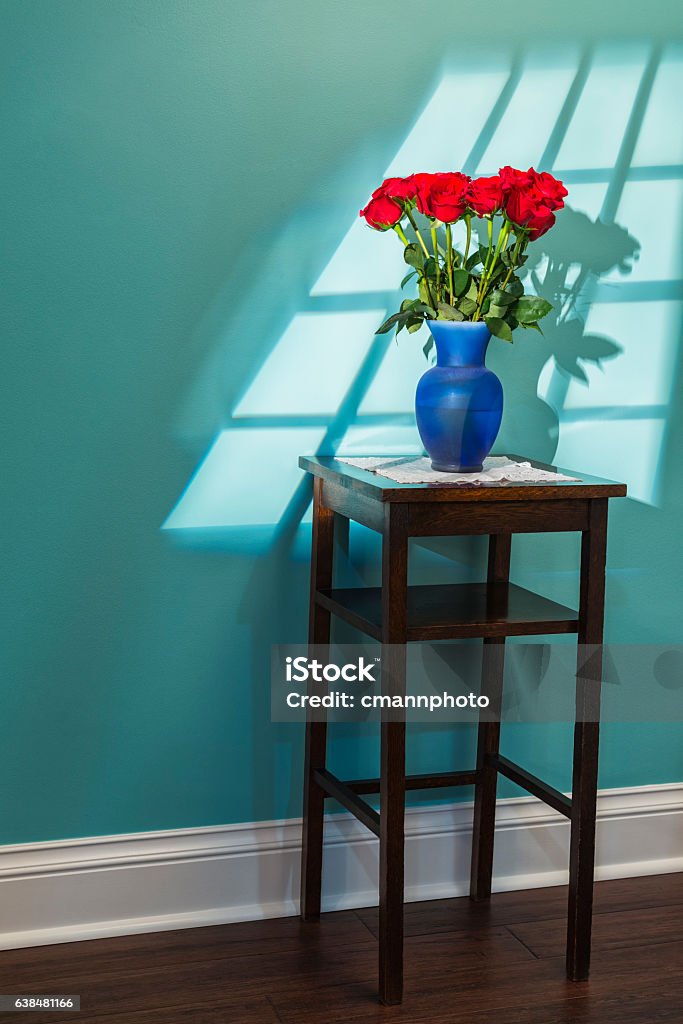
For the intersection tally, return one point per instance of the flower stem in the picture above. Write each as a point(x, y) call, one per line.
point(513, 262)
point(449, 260)
point(482, 279)
point(490, 252)
point(486, 276)
point(435, 243)
point(428, 290)
point(417, 232)
point(401, 234)
point(468, 222)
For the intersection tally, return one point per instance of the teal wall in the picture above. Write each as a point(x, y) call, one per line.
point(176, 177)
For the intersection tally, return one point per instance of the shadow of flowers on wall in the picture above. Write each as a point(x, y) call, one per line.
point(576, 256)
point(564, 269)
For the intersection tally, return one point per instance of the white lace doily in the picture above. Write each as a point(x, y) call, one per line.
point(497, 469)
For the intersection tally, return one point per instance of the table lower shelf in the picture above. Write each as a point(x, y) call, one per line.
point(455, 611)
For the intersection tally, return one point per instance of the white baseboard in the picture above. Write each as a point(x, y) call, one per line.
point(156, 881)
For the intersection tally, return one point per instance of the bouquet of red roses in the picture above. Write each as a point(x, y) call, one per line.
point(482, 282)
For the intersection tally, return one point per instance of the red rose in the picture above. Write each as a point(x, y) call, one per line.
point(511, 178)
point(382, 213)
point(527, 208)
point(442, 196)
point(419, 179)
point(540, 223)
point(521, 204)
point(530, 198)
point(485, 195)
point(552, 190)
point(396, 188)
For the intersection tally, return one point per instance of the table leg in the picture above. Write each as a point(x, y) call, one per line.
point(488, 743)
point(316, 731)
point(488, 740)
point(392, 756)
point(586, 742)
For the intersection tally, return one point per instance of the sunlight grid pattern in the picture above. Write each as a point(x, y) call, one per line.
point(600, 122)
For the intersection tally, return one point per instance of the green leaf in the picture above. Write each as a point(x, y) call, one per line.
point(414, 309)
point(473, 290)
point(500, 298)
point(447, 312)
point(428, 346)
point(413, 256)
point(411, 310)
point(429, 268)
point(389, 323)
point(467, 306)
point(533, 327)
point(531, 308)
point(495, 310)
point(498, 327)
point(407, 278)
point(473, 260)
point(416, 305)
point(514, 287)
point(461, 281)
point(414, 325)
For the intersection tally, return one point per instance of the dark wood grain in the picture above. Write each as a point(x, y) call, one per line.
point(322, 564)
point(500, 554)
point(42, 964)
point(395, 614)
point(616, 896)
point(433, 780)
point(651, 926)
point(392, 791)
point(455, 611)
point(488, 738)
point(253, 1011)
point(250, 1011)
point(466, 963)
point(352, 504)
point(626, 983)
point(532, 784)
point(586, 743)
point(437, 519)
point(344, 795)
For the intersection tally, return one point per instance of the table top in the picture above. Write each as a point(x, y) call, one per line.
point(381, 488)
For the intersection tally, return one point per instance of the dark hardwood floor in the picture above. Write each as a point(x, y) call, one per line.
point(466, 963)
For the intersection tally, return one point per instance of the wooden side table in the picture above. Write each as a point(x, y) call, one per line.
point(396, 613)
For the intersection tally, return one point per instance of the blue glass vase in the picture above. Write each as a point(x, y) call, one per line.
point(459, 402)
